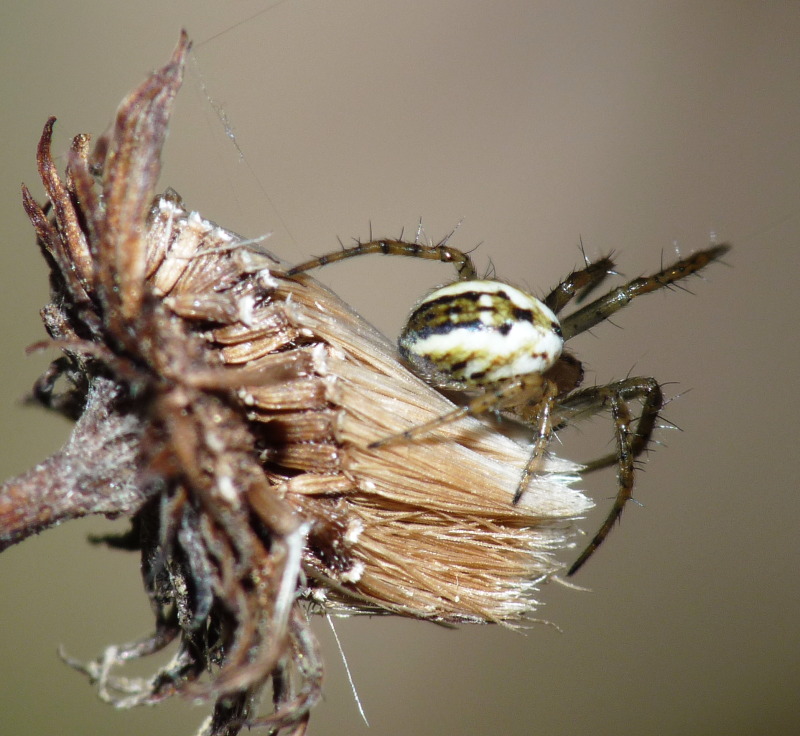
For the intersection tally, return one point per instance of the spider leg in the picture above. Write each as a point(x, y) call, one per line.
point(602, 308)
point(630, 444)
point(593, 399)
point(391, 247)
point(625, 473)
point(544, 434)
point(508, 393)
point(579, 281)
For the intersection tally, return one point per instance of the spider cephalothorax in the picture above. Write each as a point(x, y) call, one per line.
point(479, 334)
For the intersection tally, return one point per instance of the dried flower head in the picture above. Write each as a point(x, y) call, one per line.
point(228, 410)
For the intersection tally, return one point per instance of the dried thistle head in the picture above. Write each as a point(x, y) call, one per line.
point(227, 409)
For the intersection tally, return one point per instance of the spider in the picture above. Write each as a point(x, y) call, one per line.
point(486, 335)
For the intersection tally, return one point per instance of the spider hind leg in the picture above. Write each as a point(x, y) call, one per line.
point(630, 442)
point(542, 418)
point(440, 251)
point(504, 395)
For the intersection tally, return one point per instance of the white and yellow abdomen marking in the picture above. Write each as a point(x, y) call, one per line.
point(477, 333)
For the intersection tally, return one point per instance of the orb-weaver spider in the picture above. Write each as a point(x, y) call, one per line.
point(485, 334)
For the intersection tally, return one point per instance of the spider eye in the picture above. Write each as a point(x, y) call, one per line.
point(476, 333)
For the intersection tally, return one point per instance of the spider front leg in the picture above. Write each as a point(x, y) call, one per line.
point(581, 281)
point(630, 444)
point(601, 309)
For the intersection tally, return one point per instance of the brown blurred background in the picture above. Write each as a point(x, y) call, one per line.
point(637, 126)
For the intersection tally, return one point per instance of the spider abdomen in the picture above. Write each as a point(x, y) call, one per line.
point(477, 333)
